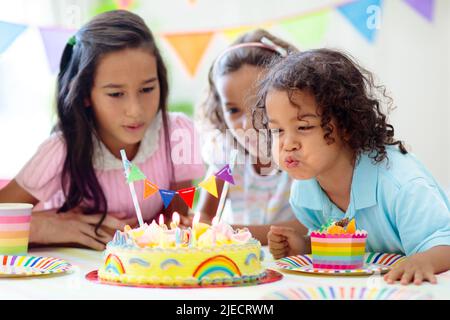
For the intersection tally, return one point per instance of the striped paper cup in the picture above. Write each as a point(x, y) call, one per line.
point(340, 252)
point(14, 228)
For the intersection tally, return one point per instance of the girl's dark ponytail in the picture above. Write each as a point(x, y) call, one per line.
point(66, 56)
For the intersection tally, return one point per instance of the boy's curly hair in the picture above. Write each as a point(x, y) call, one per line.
point(344, 92)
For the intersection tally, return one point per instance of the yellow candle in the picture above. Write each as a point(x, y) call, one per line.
point(195, 221)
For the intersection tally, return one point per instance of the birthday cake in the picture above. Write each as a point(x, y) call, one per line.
point(338, 245)
point(156, 255)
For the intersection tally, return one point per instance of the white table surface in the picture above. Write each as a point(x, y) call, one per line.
point(74, 285)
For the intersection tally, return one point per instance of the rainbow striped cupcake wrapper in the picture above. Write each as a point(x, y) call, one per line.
point(341, 252)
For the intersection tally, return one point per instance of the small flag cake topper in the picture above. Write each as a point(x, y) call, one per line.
point(134, 174)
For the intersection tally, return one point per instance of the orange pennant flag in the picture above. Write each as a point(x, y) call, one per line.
point(149, 189)
point(190, 47)
point(187, 195)
point(210, 185)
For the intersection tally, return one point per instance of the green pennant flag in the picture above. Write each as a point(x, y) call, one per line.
point(308, 30)
point(135, 174)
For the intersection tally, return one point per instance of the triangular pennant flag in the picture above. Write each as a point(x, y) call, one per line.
point(225, 174)
point(190, 47)
point(149, 189)
point(126, 4)
point(104, 6)
point(424, 7)
point(135, 174)
point(358, 14)
point(233, 34)
point(310, 29)
point(55, 39)
point(187, 195)
point(8, 33)
point(210, 185)
point(167, 196)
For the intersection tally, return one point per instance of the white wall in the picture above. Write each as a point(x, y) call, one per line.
point(410, 56)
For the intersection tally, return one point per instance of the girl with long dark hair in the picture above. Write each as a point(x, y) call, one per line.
point(112, 95)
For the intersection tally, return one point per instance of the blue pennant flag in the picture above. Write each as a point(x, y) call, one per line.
point(364, 15)
point(8, 33)
point(167, 196)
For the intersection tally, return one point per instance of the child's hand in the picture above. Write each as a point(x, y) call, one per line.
point(285, 241)
point(414, 269)
point(74, 227)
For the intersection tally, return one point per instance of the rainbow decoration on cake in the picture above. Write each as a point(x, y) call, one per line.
point(217, 264)
point(114, 265)
point(338, 246)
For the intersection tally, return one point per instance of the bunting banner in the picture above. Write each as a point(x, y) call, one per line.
point(55, 40)
point(133, 174)
point(187, 195)
point(424, 7)
point(306, 28)
point(190, 48)
point(364, 15)
point(8, 33)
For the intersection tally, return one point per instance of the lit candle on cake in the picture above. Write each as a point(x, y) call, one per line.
point(161, 222)
point(195, 222)
point(215, 221)
point(175, 220)
point(177, 237)
point(162, 234)
point(174, 225)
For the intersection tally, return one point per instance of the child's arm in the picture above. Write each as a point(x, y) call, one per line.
point(14, 193)
point(421, 266)
point(50, 227)
point(207, 203)
point(260, 232)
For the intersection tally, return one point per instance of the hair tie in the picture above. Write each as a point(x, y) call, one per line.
point(72, 41)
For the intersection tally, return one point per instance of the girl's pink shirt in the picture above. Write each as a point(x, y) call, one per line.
point(41, 175)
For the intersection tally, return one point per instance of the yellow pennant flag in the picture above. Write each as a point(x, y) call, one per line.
point(233, 34)
point(210, 185)
point(149, 189)
point(190, 47)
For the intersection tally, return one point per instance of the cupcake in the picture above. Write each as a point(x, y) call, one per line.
point(338, 245)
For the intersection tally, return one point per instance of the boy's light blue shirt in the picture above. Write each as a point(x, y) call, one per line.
point(399, 203)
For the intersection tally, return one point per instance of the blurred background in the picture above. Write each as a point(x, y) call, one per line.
point(406, 43)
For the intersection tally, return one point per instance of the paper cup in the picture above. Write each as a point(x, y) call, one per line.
point(14, 228)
